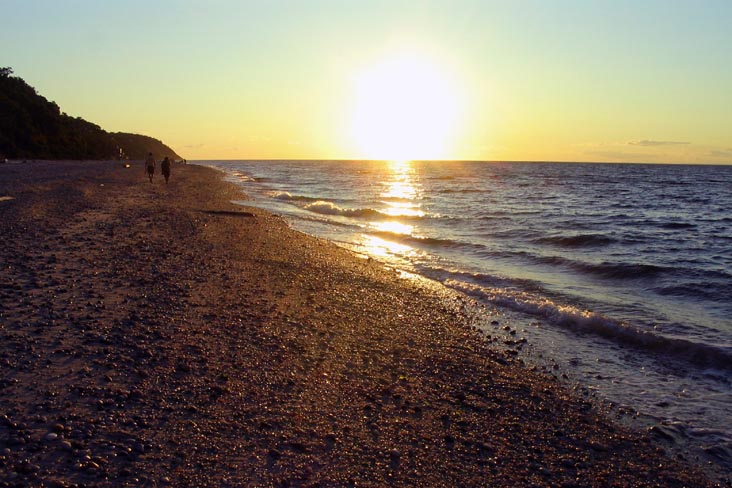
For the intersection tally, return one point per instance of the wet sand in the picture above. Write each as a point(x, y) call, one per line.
point(155, 335)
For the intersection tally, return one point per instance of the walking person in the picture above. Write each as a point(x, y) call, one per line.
point(150, 166)
point(165, 168)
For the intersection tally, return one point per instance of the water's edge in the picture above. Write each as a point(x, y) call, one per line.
point(546, 338)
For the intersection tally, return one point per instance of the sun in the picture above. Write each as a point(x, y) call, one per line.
point(406, 107)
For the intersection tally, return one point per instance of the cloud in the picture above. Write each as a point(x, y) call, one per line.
point(647, 143)
point(194, 146)
point(717, 153)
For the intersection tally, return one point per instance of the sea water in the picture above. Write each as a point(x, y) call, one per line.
point(620, 273)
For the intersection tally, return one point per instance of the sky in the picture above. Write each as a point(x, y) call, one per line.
point(551, 80)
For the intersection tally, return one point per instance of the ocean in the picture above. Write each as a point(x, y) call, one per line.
point(619, 275)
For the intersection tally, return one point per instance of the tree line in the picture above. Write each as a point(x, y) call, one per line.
point(31, 127)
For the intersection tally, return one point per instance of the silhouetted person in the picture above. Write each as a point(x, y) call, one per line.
point(150, 165)
point(165, 168)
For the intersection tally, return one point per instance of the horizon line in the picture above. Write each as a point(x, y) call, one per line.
point(469, 161)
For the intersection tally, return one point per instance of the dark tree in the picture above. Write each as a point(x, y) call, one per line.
point(32, 127)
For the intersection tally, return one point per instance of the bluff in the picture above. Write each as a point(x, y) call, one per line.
point(31, 127)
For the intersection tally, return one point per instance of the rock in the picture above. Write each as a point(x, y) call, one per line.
point(273, 455)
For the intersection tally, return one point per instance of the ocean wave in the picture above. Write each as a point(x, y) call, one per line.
point(238, 176)
point(582, 240)
point(288, 197)
point(330, 208)
point(615, 271)
point(707, 290)
point(621, 271)
point(422, 241)
point(486, 280)
point(588, 322)
point(325, 207)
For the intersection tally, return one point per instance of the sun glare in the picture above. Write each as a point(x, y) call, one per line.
point(406, 107)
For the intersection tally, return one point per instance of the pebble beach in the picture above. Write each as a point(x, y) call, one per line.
point(160, 335)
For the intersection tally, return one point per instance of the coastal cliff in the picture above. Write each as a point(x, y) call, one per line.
point(31, 127)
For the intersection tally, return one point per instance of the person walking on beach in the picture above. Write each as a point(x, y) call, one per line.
point(150, 165)
point(165, 168)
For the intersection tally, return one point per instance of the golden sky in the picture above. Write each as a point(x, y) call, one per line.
point(645, 81)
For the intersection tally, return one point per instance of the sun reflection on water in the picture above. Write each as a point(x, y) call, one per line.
point(376, 246)
point(402, 192)
point(401, 198)
point(393, 227)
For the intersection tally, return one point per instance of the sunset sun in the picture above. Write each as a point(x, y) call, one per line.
point(405, 107)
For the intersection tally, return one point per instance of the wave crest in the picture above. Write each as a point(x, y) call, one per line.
point(330, 208)
point(584, 321)
point(289, 197)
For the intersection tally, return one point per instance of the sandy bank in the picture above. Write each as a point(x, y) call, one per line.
point(156, 334)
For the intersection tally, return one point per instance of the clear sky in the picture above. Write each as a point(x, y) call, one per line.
point(563, 80)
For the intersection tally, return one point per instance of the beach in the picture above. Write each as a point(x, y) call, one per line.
point(155, 334)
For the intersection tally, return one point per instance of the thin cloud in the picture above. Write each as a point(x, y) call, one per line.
point(647, 143)
point(618, 155)
point(717, 153)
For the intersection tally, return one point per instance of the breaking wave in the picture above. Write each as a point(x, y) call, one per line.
point(330, 208)
point(288, 197)
point(324, 207)
point(588, 322)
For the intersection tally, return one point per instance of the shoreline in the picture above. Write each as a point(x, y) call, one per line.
point(551, 338)
point(157, 334)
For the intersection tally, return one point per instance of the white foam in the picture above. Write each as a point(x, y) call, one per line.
point(281, 195)
point(329, 208)
point(573, 318)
